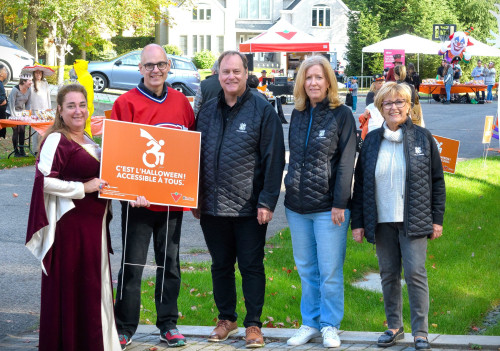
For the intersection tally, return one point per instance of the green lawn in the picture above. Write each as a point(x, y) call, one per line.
point(6, 148)
point(463, 269)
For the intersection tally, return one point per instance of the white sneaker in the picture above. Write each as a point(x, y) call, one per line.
point(330, 337)
point(303, 335)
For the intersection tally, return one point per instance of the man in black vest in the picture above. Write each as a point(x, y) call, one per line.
point(241, 167)
point(208, 89)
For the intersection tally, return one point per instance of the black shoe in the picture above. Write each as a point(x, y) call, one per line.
point(389, 338)
point(422, 344)
point(17, 153)
point(22, 152)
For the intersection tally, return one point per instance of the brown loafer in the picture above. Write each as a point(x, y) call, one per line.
point(254, 337)
point(223, 330)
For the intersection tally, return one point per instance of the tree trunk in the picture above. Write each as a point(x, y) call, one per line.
point(61, 60)
point(31, 30)
point(20, 31)
point(49, 45)
point(83, 55)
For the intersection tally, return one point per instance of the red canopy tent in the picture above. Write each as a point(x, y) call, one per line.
point(283, 37)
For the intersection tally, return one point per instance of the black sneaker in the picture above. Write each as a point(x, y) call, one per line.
point(125, 340)
point(173, 338)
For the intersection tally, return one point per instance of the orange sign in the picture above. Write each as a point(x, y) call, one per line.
point(488, 129)
point(161, 164)
point(448, 150)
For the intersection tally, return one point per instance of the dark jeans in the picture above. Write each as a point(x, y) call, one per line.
point(228, 239)
point(393, 246)
point(141, 223)
point(18, 136)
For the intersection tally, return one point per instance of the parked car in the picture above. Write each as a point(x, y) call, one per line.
point(122, 72)
point(14, 57)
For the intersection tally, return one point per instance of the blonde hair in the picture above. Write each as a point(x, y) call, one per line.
point(401, 72)
point(299, 91)
point(59, 126)
point(392, 89)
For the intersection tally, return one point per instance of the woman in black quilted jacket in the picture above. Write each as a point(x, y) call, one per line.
point(322, 144)
point(398, 202)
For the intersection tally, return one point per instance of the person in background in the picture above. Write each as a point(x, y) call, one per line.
point(354, 91)
point(263, 75)
point(3, 99)
point(377, 81)
point(398, 61)
point(208, 89)
point(40, 96)
point(67, 232)
point(400, 75)
point(412, 77)
point(253, 83)
point(19, 100)
point(322, 143)
point(152, 102)
point(489, 80)
point(371, 118)
point(448, 82)
point(440, 70)
point(241, 170)
point(398, 203)
point(477, 75)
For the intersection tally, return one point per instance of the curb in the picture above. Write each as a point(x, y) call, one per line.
point(438, 341)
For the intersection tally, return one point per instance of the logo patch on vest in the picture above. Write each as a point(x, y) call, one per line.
point(418, 151)
point(242, 128)
point(321, 134)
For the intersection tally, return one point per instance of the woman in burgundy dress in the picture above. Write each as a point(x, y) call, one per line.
point(68, 232)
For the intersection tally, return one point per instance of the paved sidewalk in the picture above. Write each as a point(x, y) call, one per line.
point(147, 338)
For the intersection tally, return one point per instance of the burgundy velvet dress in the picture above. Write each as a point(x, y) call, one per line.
point(67, 231)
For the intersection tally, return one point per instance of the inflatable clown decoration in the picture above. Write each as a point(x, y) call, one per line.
point(457, 46)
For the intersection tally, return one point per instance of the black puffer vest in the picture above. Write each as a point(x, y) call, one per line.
point(320, 174)
point(241, 165)
point(425, 193)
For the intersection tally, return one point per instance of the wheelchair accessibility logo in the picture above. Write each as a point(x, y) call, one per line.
point(153, 154)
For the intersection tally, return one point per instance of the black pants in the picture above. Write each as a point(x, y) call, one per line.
point(482, 95)
point(18, 136)
point(241, 238)
point(141, 223)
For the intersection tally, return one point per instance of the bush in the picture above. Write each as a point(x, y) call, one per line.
point(126, 44)
point(173, 49)
point(53, 78)
point(204, 59)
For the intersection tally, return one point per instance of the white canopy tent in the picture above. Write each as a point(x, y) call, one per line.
point(411, 44)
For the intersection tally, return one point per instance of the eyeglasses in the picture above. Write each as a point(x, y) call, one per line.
point(387, 105)
point(151, 66)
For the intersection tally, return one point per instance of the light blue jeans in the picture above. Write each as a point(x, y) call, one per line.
point(489, 96)
point(319, 249)
point(447, 87)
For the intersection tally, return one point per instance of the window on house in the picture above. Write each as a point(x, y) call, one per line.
point(195, 44)
point(255, 9)
point(202, 43)
point(202, 13)
point(208, 40)
point(320, 16)
point(220, 40)
point(183, 43)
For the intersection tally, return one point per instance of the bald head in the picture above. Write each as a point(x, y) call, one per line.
point(152, 50)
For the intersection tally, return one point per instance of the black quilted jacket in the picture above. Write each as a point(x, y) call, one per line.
point(425, 193)
point(241, 165)
point(320, 175)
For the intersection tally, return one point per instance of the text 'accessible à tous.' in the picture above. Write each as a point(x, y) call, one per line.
point(150, 175)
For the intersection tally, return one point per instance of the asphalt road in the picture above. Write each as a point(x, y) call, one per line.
point(20, 272)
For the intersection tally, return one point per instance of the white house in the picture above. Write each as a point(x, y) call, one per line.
point(219, 25)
